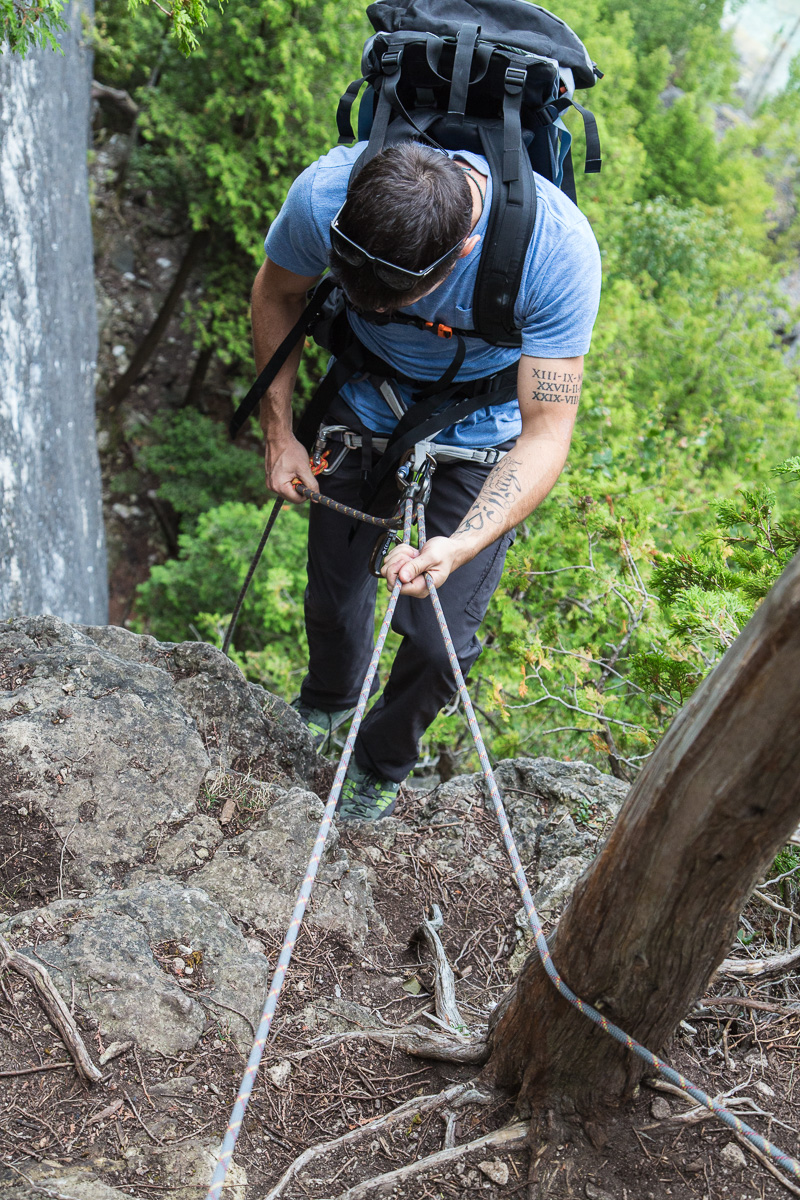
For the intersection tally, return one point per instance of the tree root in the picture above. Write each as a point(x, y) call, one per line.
point(515, 1134)
point(456, 1096)
point(56, 1010)
point(445, 984)
point(413, 1039)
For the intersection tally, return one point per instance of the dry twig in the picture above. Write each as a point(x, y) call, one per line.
point(54, 1006)
point(759, 966)
point(444, 986)
point(459, 1094)
point(384, 1185)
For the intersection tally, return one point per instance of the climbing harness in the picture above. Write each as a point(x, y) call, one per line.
point(415, 482)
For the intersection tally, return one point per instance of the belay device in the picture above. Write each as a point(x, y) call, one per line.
point(489, 76)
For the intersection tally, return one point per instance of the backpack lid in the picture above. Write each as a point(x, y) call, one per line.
point(508, 22)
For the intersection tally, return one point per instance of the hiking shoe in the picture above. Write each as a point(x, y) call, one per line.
point(365, 796)
point(320, 724)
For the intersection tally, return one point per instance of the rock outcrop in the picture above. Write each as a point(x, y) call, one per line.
point(52, 543)
point(184, 803)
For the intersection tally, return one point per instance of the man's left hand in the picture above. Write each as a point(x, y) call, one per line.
point(438, 557)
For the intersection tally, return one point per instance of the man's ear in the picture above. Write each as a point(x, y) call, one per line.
point(469, 245)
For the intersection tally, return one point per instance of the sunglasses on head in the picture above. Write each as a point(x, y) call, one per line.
point(399, 279)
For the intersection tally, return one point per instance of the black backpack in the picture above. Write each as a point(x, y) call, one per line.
point(491, 76)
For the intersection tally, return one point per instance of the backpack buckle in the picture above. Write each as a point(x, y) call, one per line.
point(515, 79)
point(390, 60)
point(442, 331)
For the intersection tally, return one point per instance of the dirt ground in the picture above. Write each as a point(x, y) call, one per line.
point(741, 1042)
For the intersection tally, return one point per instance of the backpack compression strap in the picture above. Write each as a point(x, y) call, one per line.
point(267, 376)
point(593, 156)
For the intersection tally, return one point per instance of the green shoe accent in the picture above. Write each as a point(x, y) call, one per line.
point(320, 724)
point(365, 796)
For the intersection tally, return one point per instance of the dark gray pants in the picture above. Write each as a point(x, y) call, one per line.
point(339, 612)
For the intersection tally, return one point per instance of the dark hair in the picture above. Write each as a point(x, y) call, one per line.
point(409, 205)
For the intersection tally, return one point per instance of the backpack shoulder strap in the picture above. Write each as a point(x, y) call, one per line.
point(508, 234)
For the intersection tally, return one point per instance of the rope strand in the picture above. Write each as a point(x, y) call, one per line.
point(262, 1033)
point(789, 1164)
point(784, 1160)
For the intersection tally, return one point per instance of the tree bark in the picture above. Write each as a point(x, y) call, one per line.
point(656, 912)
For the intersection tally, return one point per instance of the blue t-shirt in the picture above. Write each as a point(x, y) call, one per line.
point(555, 309)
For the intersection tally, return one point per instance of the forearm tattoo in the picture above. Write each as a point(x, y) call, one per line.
point(497, 496)
point(556, 387)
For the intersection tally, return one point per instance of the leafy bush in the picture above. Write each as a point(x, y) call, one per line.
point(196, 465)
point(193, 595)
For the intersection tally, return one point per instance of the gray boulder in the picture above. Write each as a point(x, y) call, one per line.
point(119, 952)
point(104, 745)
point(243, 726)
point(257, 875)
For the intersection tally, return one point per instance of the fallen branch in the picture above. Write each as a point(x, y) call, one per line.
point(383, 1185)
point(766, 1162)
point(778, 907)
point(101, 91)
point(35, 1070)
point(748, 1002)
point(459, 1094)
point(54, 1006)
point(445, 983)
point(699, 1112)
point(746, 968)
point(412, 1039)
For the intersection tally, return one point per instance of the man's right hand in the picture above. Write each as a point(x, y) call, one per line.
point(283, 462)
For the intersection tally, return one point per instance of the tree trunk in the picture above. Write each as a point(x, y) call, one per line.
point(149, 344)
point(658, 909)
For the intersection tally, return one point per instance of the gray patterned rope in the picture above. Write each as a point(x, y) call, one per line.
point(789, 1164)
point(262, 1033)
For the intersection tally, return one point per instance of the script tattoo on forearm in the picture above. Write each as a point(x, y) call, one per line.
point(497, 496)
point(557, 387)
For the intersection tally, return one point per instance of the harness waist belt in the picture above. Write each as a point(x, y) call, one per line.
point(350, 440)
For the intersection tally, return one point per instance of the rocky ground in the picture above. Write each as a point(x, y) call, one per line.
point(158, 813)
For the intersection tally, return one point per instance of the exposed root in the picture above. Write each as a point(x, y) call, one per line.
point(383, 1185)
point(56, 1010)
point(456, 1096)
point(413, 1039)
point(769, 1164)
point(747, 968)
point(445, 984)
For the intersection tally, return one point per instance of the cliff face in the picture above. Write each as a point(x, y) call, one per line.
point(52, 546)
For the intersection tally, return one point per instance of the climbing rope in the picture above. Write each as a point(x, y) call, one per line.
point(262, 1033)
point(730, 1119)
point(786, 1161)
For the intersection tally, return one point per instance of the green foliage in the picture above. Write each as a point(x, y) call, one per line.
point(684, 157)
point(26, 26)
point(671, 23)
point(194, 595)
point(186, 18)
point(632, 578)
point(224, 133)
point(196, 465)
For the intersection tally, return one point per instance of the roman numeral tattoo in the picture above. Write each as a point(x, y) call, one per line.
point(498, 494)
point(556, 387)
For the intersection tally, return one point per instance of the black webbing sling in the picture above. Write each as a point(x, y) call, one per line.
point(267, 376)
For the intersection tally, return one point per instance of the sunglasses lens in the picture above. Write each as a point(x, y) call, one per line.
point(346, 250)
point(395, 277)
